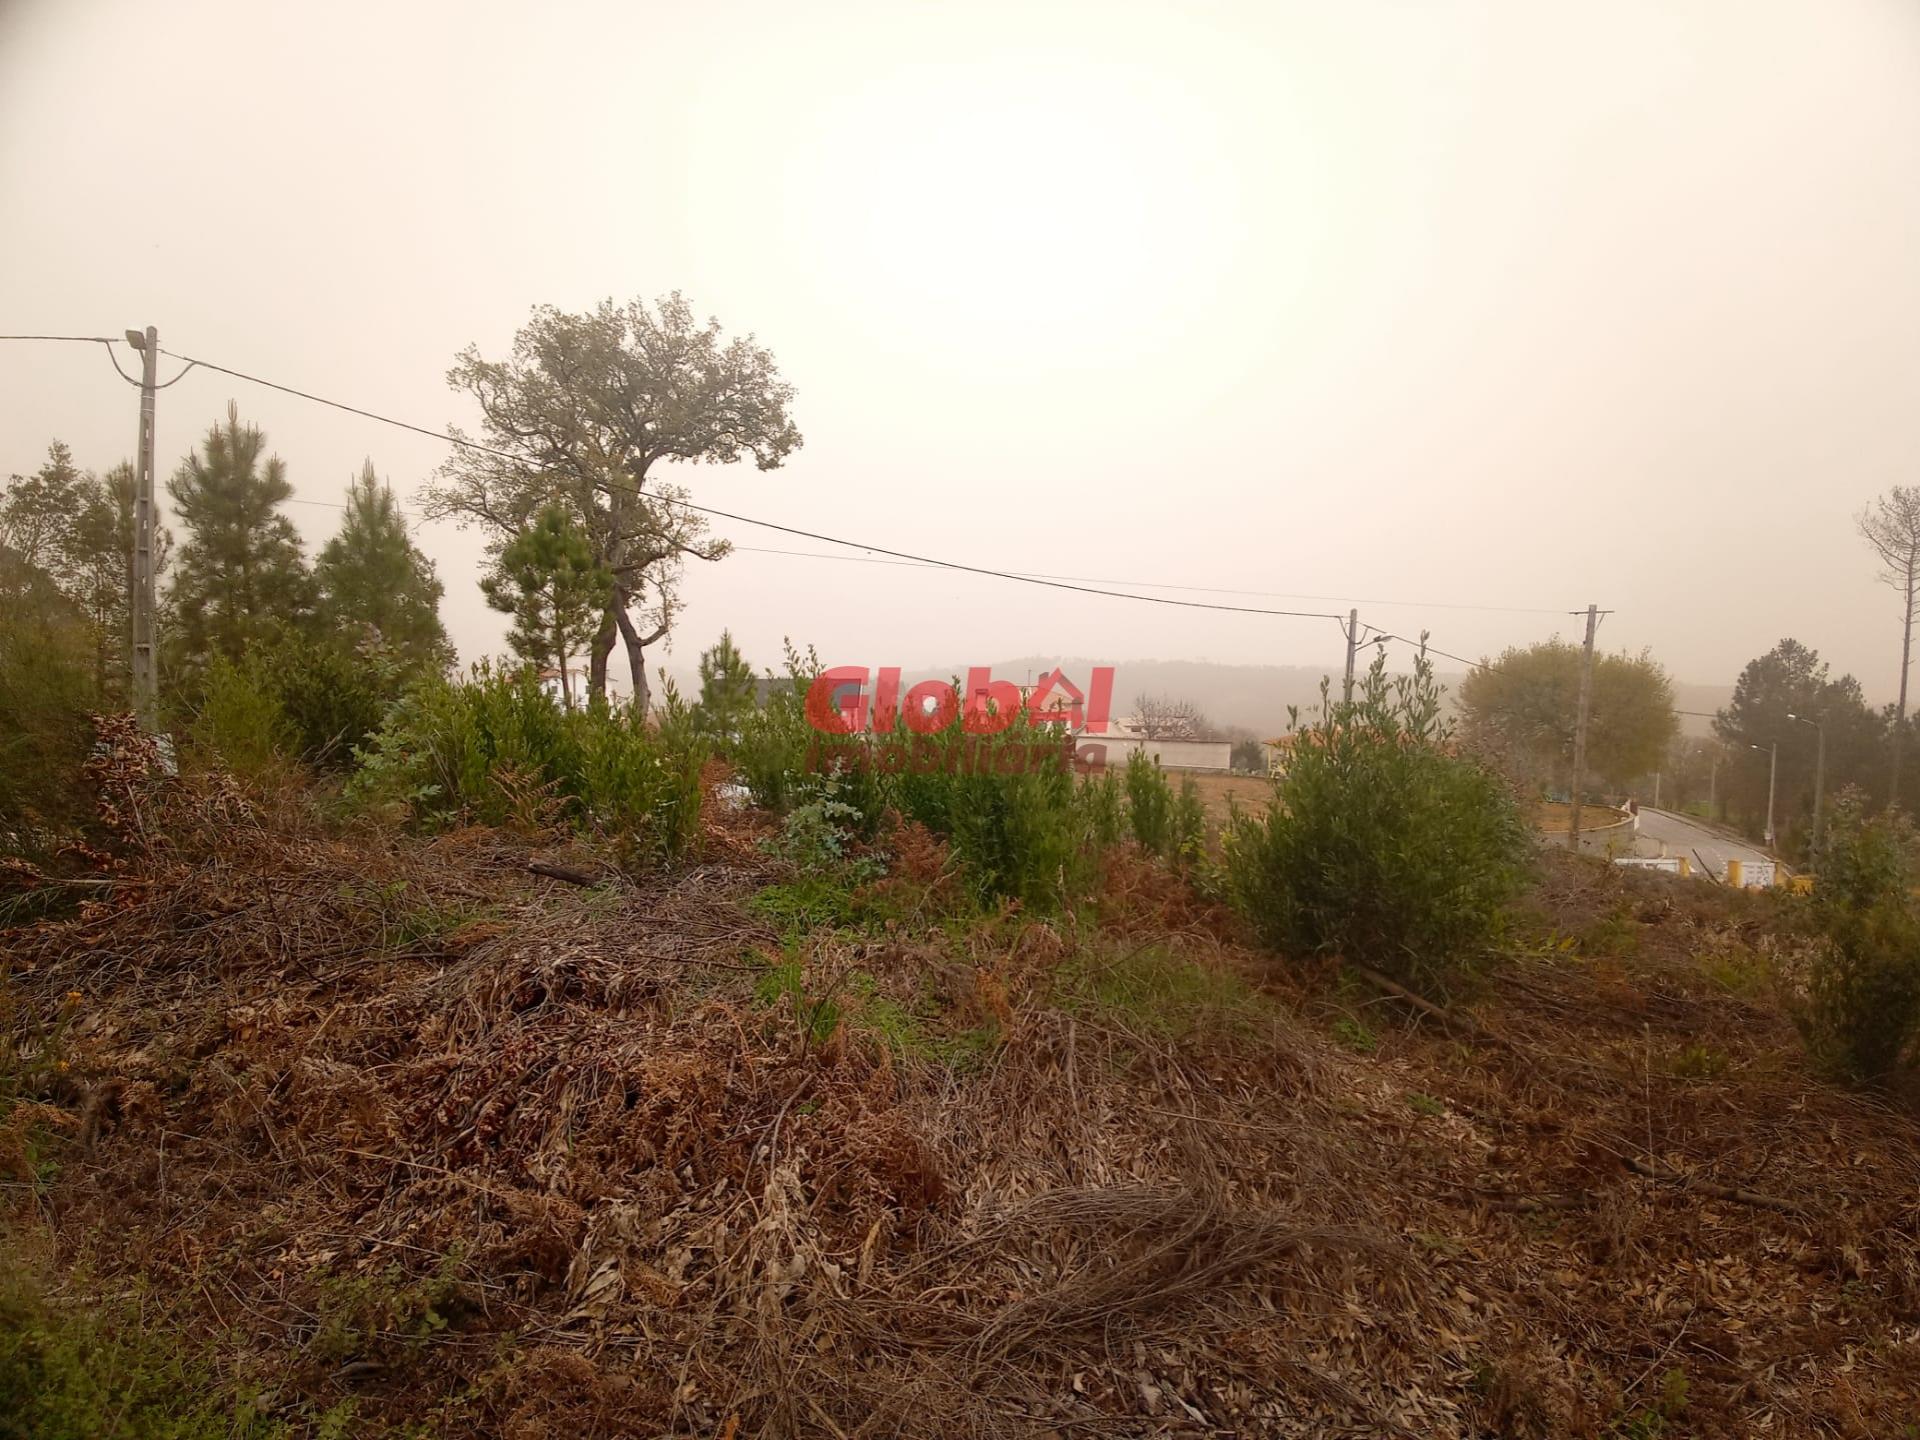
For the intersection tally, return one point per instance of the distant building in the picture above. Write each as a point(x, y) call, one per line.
point(552, 686)
point(1167, 754)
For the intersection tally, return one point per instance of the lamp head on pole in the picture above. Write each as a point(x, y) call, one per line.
point(137, 340)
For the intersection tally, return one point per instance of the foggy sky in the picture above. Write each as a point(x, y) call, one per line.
point(1520, 304)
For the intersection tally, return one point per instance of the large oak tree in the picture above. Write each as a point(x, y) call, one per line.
point(582, 413)
point(1525, 705)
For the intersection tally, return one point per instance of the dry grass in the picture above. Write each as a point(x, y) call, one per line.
point(1252, 793)
point(309, 1079)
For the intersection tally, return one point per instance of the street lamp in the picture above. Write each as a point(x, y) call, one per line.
point(1819, 777)
point(1773, 774)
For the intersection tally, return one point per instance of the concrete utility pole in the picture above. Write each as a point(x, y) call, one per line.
point(1773, 774)
point(1353, 644)
point(146, 678)
point(1580, 726)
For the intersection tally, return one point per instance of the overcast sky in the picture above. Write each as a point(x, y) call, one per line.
point(1520, 304)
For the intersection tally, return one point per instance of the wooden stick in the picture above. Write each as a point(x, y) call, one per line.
point(1420, 1002)
point(562, 872)
point(1719, 1192)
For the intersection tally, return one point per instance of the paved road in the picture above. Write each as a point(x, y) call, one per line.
point(1687, 837)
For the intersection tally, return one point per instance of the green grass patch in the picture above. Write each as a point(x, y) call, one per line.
point(1352, 1034)
point(1614, 934)
point(70, 1374)
point(1740, 971)
point(811, 902)
point(1154, 990)
point(916, 1032)
point(361, 1313)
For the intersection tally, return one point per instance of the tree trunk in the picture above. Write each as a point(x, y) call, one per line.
point(566, 681)
point(597, 662)
point(636, 652)
point(1906, 661)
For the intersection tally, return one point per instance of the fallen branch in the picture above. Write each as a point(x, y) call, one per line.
point(562, 872)
point(1529, 1204)
point(1420, 1002)
point(1719, 1192)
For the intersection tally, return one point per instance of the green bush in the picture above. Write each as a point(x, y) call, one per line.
point(1861, 1013)
point(240, 719)
point(1023, 827)
point(315, 701)
point(1149, 804)
point(1187, 824)
point(1383, 847)
point(70, 1375)
point(1106, 808)
point(47, 692)
point(769, 746)
point(1022, 830)
point(333, 697)
point(495, 748)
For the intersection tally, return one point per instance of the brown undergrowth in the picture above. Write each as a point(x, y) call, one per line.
point(398, 1124)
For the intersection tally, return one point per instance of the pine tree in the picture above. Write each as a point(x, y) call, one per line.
point(372, 574)
point(240, 575)
point(36, 514)
point(75, 530)
point(547, 578)
point(726, 686)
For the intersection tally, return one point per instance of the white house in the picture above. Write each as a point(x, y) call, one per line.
point(552, 686)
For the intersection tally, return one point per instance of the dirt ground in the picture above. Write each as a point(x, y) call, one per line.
point(1250, 792)
point(1556, 818)
point(398, 1130)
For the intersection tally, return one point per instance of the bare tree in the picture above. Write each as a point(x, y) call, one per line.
point(1891, 525)
point(1161, 717)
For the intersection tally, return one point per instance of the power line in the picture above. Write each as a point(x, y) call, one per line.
point(903, 555)
point(1199, 589)
point(1078, 584)
point(1383, 637)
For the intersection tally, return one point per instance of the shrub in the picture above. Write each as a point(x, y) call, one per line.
point(639, 787)
point(1861, 1012)
point(46, 692)
point(1021, 827)
point(1383, 846)
point(1022, 831)
point(496, 749)
point(334, 697)
point(69, 1375)
point(1187, 824)
point(769, 747)
point(241, 720)
point(1149, 804)
point(1106, 808)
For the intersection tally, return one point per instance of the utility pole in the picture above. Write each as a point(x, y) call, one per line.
point(1773, 775)
point(146, 680)
point(1353, 644)
point(1773, 780)
point(1580, 726)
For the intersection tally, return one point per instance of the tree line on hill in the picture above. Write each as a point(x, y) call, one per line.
point(1521, 707)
